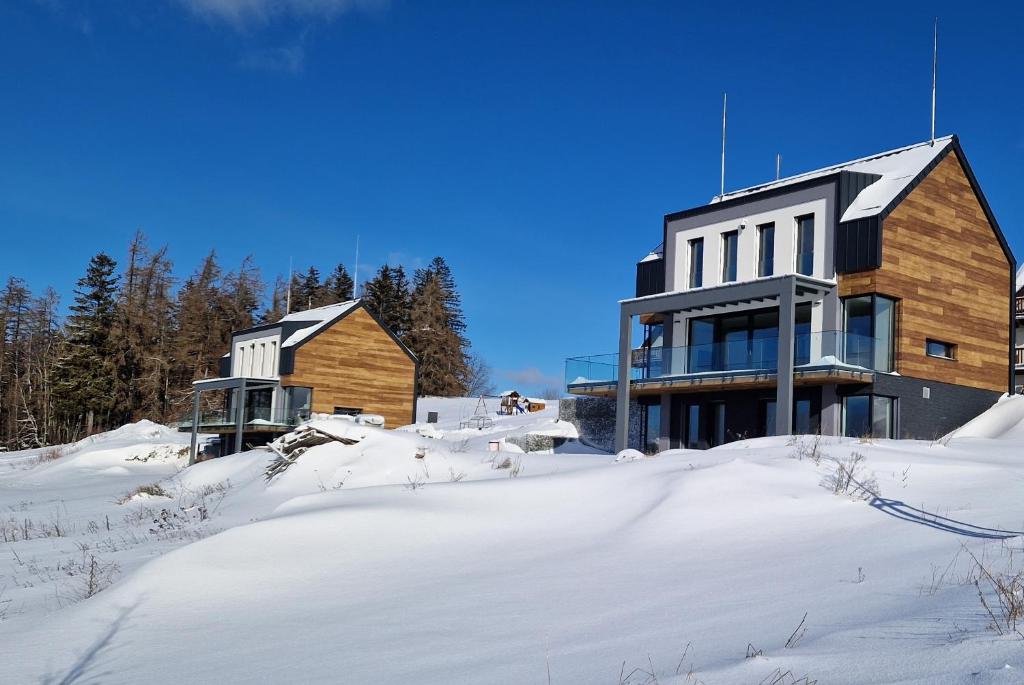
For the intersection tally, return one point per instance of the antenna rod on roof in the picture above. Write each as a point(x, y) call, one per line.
point(355, 274)
point(724, 102)
point(778, 164)
point(935, 66)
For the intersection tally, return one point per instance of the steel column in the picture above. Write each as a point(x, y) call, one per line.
point(622, 386)
point(195, 427)
point(787, 326)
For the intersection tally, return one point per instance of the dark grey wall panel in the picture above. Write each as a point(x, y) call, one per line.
point(650, 277)
point(947, 407)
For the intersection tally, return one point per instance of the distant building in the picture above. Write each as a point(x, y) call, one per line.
point(338, 359)
point(872, 297)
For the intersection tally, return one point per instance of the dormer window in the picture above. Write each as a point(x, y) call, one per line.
point(730, 246)
point(805, 244)
point(766, 250)
point(696, 263)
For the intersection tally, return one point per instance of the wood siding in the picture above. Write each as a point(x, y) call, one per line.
point(355, 363)
point(942, 260)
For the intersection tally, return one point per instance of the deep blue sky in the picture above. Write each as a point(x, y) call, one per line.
point(535, 145)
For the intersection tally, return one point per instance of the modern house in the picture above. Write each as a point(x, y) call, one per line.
point(1018, 309)
point(874, 297)
point(338, 359)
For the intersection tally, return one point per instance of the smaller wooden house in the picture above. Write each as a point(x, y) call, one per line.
point(338, 359)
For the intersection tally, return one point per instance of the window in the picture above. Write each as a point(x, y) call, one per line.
point(869, 415)
point(696, 262)
point(297, 402)
point(767, 417)
point(651, 427)
point(805, 244)
point(730, 243)
point(937, 348)
point(869, 331)
point(766, 249)
point(718, 423)
point(693, 432)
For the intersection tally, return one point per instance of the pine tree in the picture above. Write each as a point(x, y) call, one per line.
point(435, 334)
point(310, 291)
point(338, 286)
point(278, 302)
point(84, 384)
point(387, 295)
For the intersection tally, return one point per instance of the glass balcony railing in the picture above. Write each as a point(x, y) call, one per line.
point(254, 416)
point(824, 348)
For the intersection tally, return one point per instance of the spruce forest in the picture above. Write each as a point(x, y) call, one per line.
point(133, 338)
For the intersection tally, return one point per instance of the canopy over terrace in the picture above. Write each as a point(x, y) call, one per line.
point(784, 291)
point(240, 386)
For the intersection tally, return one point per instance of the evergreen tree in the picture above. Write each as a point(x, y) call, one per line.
point(278, 302)
point(435, 334)
point(310, 291)
point(85, 371)
point(339, 285)
point(387, 295)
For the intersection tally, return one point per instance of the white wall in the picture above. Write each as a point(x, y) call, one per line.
point(785, 245)
point(256, 357)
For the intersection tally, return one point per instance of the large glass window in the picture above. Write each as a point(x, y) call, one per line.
point(651, 427)
point(697, 263)
point(766, 249)
point(802, 417)
point(805, 244)
point(730, 246)
point(693, 427)
point(767, 417)
point(869, 416)
point(802, 333)
point(297, 403)
point(718, 423)
point(869, 323)
point(701, 346)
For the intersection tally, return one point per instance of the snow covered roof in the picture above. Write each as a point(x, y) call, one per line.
point(318, 319)
point(656, 253)
point(898, 168)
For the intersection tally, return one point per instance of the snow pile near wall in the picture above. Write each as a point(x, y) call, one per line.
point(1004, 421)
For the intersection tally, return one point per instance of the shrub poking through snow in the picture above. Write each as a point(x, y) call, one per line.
point(51, 454)
point(848, 477)
point(806, 447)
point(1001, 594)
point(144, 491)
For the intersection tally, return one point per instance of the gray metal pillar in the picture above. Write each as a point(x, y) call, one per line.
point(195, 427)
point(622, 386)
point(240, 418)
point(787, 326)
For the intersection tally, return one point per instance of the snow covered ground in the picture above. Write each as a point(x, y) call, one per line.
point(364, 564)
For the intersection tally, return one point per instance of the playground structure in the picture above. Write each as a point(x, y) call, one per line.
point(512, 402)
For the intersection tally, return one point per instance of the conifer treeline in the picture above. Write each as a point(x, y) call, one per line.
point(133, 340)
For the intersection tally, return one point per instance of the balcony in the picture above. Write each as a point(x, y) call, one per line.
point(1018, 307)
point(832, 356)
point(256, 420)
point(1019, 358)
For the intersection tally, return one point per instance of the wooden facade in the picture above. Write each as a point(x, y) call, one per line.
point(943, 262)
point(356, 364)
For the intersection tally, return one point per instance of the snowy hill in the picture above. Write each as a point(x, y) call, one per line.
point(364, 564)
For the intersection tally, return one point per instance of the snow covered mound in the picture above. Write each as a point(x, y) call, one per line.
point(429, 559)
point(1004, 421)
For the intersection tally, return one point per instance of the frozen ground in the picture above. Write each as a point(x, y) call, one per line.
point(363, 564)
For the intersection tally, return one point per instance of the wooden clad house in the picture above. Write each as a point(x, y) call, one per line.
point(337, 359)
point(873, 297)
